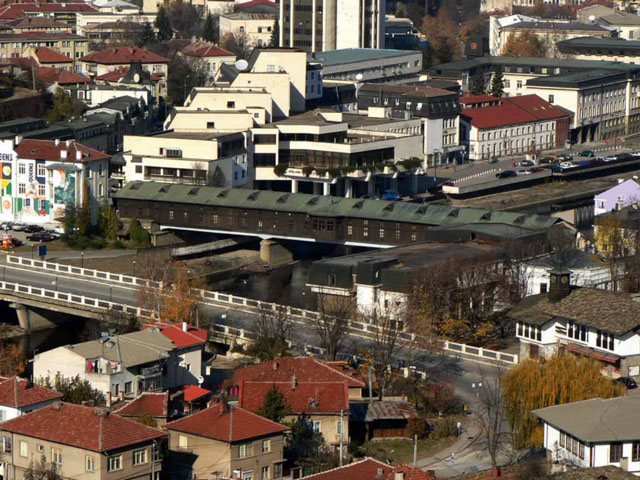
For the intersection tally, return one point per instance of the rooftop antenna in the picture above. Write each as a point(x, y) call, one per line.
point(242, 65)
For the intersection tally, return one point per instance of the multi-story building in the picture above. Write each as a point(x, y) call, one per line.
point(41, 178)
point(257, 28)
point(495, 127)
point(206, 58)
point(82, 443)
point(47, 57)
point(437, 108)
point(19, 396)
point(593, 48)
point(369, 65)
point(323, 25)
point(63, 12)
point(102, 62)
point(225, 441)
point(195, 158)
point(15, 45)
point(325, 151)
point(622, 195)
point(126, 365)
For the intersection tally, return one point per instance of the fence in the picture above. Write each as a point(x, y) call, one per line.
point(249, 305)
point(476, 175)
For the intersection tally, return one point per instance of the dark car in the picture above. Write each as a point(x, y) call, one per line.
point(506, 174)
point(16, 242)
point(40, 237)
point(628, 382)
point(391, 195)
point(536, 169)
point(624, 156)
point(32, 229)
point(587, 153)
point(527, 163)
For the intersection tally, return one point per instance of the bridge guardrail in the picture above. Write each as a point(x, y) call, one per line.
point(255, 306)
point(86, 272)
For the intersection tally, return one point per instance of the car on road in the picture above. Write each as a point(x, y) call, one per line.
point(567, 165)
point(635, 154)
point(610, 158)
point(41, 237)
point(32, 229)
point(564, 157)
point(523, 171)
point(18, 227)
point(587, 153)
point(493, 160)
point(549, 159)
point(506, 174)
point(391, 195)
point(628, 382)
point(527, 163)
point(17, 242)
point(624, 156)
point(536, 169)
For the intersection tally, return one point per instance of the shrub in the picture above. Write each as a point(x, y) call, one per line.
point(138, 235)
point(417, 426)
point(280, 169)
point(444, 429)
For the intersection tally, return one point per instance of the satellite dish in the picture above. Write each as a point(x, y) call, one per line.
point(592, 18)
point(200, 379)
point(242, 65)
point(136, 77)
point(359, 77)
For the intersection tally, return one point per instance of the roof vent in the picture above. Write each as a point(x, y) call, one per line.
point(253, 196)
point(224, 193)
point(194, 191)
point(313, 201)
point(453, 213)
point(283, 198)
point(486, 216)
point(135, 186)
point(519, 220)
point(57, 406)
point(389, 207)
point(164, 188)
point(421, 210)
point(359, 204)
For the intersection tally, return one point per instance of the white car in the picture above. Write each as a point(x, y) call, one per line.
point(610, 158)
point(566, 165)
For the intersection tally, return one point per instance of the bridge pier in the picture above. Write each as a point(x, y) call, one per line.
point(273, 253)
point(31, 320)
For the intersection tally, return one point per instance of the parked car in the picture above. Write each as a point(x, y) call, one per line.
point(567, 165)
point(624, 156)
point(610, 158)
point(6, 225)
point(564, 157)
point(548, 160)
point(493, 160)
point(32, 229)
point(527, 163)
point(391, 195)
point(536, 169)
point(41, 237)
point(587, 153)
point(18, 227)
point(506, 174)
point(635, 154)
point(17, 242)
point(523, 171)
point(628, 382)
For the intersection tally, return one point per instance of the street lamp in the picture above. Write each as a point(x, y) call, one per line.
point(134, 268)
point(477, 387)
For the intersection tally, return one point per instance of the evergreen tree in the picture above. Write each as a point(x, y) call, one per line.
point(274, 42)
point(478, 86)
point(146, 35)
point(163, 24)
point(274, 406)
point(138, 235)
point(497, 83)
point(210, 29)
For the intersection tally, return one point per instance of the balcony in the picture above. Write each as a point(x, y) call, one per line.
point(151, 371)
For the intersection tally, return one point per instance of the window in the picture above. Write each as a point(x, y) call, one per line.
point(577, 332)
point(138, 168)
point(41, 171)
point(265, 473)
point(339, 421)
point(99, 170)
point(170, 214)
point(245, 450)
point(140, 457)
point(277, 470)
point(349, 229)
point(56, 456)
point(22, 189)
point(266, 446)
point(114, 463)
point(315, 426)
point(24, 448)
point(382, 233)
point(248, 475)
point(183, 442)
point(615, 452)
point(604, 340)
point(231, 104)
point(551, 98)
point(211, 124)
point(90, 464)
point(22, 169)
point(100, 190)
point(635, 452)
point(127, 387)
point(41, 189)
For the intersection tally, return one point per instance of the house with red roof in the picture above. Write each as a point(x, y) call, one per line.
point(99, 63)
point(60, 78)
point(13, 45)
point(82, 442)
point(40, 178)
point(206, 57)
point(48, 57)
point(498, 127)
point(372, 469)
point(225, 441)
point(19, 396)
point(154, 405)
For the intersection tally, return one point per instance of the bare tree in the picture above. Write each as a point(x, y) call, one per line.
point(491, 416)
point(383, 350)
point(332, 323)
point(42, 470)
point(272, 328)
point(562, 246)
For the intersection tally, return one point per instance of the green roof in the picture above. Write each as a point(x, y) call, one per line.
point(353, 55)
point(600, 42)
point(575, 79)
point(327, 206)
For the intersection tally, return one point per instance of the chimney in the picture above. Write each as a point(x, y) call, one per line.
point(68, 143)
point(398, 475)
point(18, 140)
point(294, 382)
point(101, 412)
point(560, 284)
point(620, 180)
point(57, 406)
point(108, 399)
point(618, 206)
point(78, 155)
point(63, 154)
point(276, 365)
point(57, 142)
point(185, 326)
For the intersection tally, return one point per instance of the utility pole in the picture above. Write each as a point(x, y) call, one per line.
point(370, 387)
point(415, 451)
point(341, 436)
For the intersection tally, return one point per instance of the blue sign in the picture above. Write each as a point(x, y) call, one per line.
point(42, 251)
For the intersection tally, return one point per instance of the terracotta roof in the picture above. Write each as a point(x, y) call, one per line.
point(204, 49)
point(194, 392)
point(305, 368)
point(49, 55)
point(58, 7)
point(471, 99)
point(82, 427)
point(51, 75)
point(372, 469)
point(38, 35)
point(48, 150)
point(526, 109)
point(38, 22)
point(180, 335)
point(148, 403)
point(23, 62)
point(119, 55)
point(119, 73)
point(234, 424)
point(16, 392)
point(304, 397)
point(614, 312)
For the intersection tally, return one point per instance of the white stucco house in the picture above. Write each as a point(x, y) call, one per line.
point(594, 433)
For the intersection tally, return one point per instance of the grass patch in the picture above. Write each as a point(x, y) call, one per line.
point(401, 450)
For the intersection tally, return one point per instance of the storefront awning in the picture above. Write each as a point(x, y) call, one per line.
point(592, 352)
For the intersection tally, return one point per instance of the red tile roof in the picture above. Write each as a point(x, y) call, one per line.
point(120, 55)
point(304, 398)
point(306, 369)
point(228, 425)
point(180, 335)
point(23, 62)
point(372, 469)
point(204, 49)
point(148, 403)
point(257, 2)
point(194, 392)
point(38, 35)
point(51, 75)
point(17, 392)
point(119, 73)
point(470, 99)
point(47, 150)
point(49, 55)
point(82, 427)
point(513, 111)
